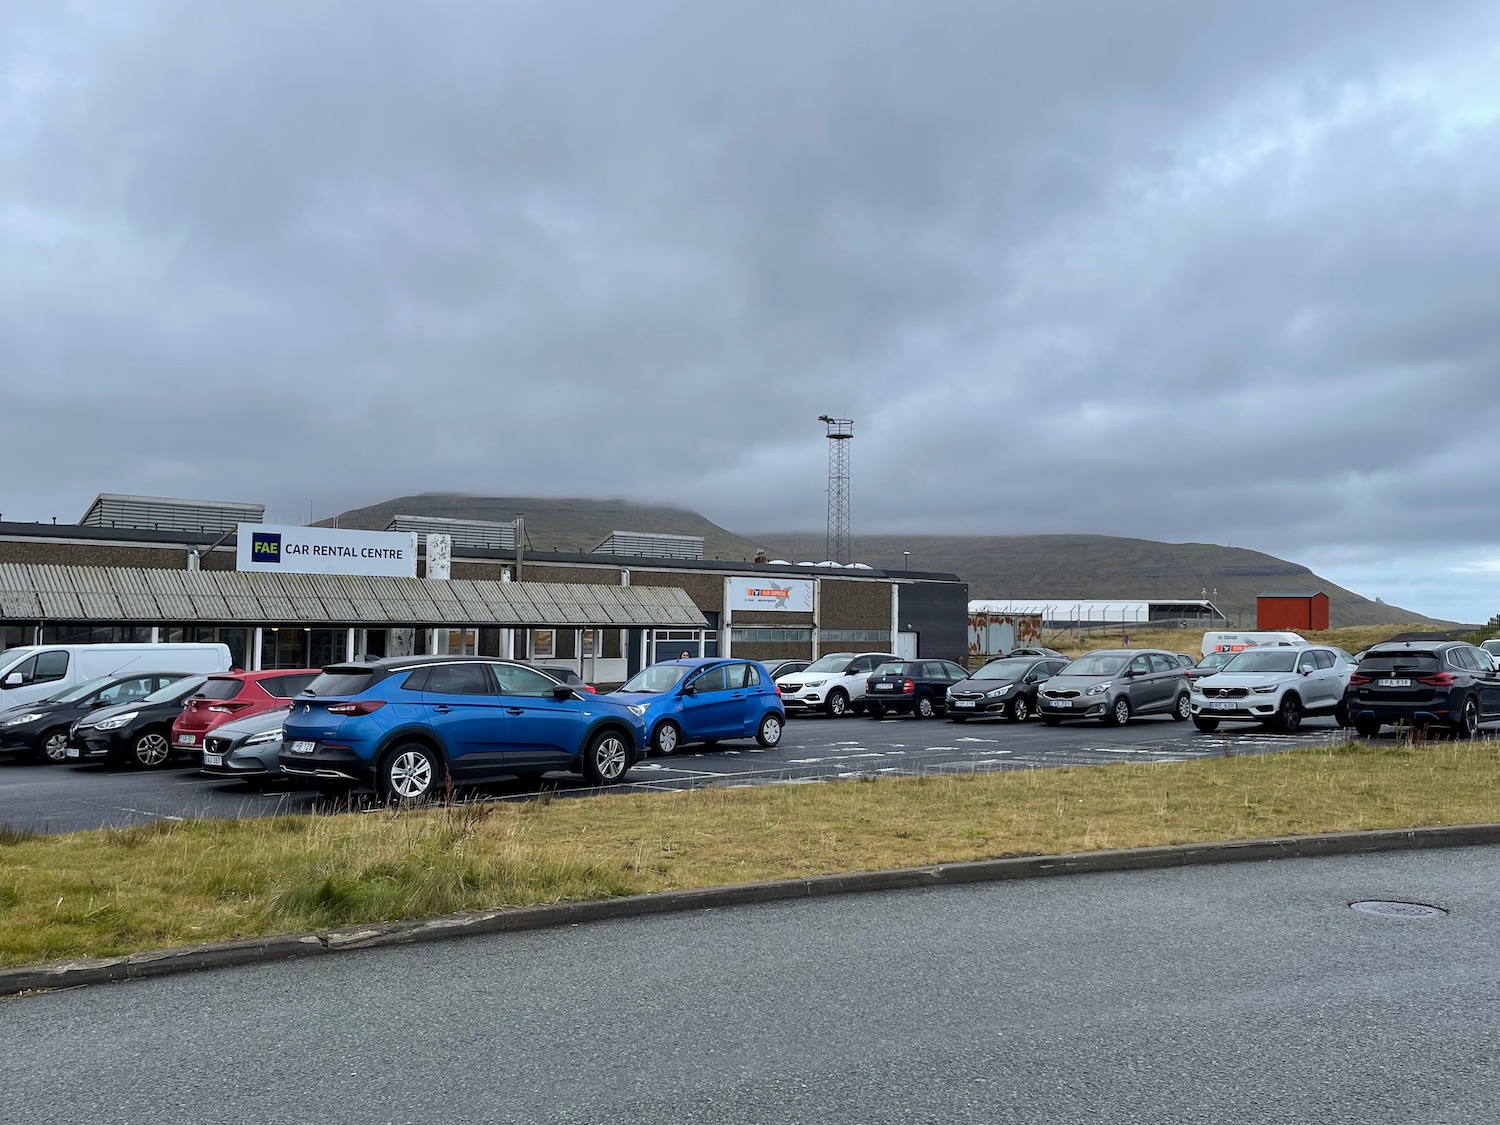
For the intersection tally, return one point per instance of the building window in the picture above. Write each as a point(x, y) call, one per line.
point(771, 636)
point(591, 645)
point(543, 644)
point(848, 636)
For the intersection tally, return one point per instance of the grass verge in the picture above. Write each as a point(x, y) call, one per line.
point(174, 883)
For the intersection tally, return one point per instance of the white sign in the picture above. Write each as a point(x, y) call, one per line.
point(794, 595)
point(327, 550)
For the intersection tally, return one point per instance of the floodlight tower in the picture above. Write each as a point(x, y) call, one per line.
point(840, 434)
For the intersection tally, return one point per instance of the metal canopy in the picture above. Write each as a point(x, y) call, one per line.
point(134, 595)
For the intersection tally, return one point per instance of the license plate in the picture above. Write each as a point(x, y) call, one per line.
point(72, 751)
point(187, 739)
point(213, 759)
point(963, 703)
point(1224, 705)
point(885, 687)
point(303, 747)
point(1059, 703)
point(1395, 683)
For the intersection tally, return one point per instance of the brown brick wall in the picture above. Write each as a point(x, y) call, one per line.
point(855, 605)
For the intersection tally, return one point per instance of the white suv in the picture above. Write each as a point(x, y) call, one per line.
point(835, 683)
point(1276, 685)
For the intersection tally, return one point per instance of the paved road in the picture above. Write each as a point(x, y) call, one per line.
point(1216, 994)
point(48, 798)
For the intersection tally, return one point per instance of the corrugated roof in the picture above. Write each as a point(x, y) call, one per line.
point(31, 592)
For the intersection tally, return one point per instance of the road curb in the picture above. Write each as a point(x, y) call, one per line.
point(138, 966)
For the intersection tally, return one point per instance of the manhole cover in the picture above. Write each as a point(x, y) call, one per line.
point(1399, 909)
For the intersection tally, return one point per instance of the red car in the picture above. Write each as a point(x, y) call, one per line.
point(233, 695)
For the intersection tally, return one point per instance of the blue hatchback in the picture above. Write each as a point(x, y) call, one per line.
point(709, 700)
point(410, 725)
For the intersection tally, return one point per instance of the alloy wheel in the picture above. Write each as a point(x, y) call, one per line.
point(411, 775)
point(610, 757)
point(151, 749)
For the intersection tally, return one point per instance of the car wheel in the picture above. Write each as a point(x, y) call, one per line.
point(1183, 711)
point(606, 759)
point(1051, 720)
point(1207, 726)
point(1341, 714)
point(150, 750)
point(667, 739)
point(410, 774)
point(1020, 710)
point(1467, 725)
point(53, 745)
point(837, 704)
point(1119, 713)
point(875, 711)
point(769, 732)
point(924, 708)
point(1366, 728)
point(1289, 714)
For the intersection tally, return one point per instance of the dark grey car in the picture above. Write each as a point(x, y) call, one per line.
point(245, 749)
point(1116, 684)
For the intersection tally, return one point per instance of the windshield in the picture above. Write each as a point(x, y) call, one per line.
point(833, 662)
point(13, 656)
point(1003, 670)
point(1264, 660)
point(74, 694)
point(1103, 664)
point(658, 678)
point(1217, 659)
point(178, 689)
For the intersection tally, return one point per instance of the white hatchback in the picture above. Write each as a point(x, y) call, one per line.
point(1278, 685)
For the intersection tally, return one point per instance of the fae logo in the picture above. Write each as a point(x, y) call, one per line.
point(265, 546)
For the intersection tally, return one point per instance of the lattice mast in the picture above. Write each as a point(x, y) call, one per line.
point(840, 434)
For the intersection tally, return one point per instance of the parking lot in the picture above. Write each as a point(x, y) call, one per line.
point(53, 798)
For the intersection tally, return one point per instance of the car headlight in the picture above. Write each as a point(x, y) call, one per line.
point(637, 709)
point(814, 683)
point(116, 722)
point(22, 719)
point(1269, 689)
point(1100, 689)
point(997, 691)
point(263, 737)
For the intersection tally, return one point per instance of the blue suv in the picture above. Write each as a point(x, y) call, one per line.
point(409, 725)
point(701, 700)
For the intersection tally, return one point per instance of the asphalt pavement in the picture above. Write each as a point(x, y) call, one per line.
point(1205, 994)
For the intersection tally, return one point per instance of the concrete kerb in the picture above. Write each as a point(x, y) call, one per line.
point(137, 966)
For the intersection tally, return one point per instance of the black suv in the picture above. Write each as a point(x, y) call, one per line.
point(1423, 683)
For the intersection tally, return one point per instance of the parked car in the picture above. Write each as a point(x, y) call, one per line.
point(35, 672)
point(1421, 684)
point(1007, 686)
point(408, 725)
point(1049, 653)
point(1212, 663)
point(138, 733)
point(563, 676)
point(706, 700)
point(246, 749)
point(833, 684)
point(236, 695)
point(1492, 647)
point(779, 668)
point(40, 730)
point(1116, 684)
point(1275, 686)
point(916, 686)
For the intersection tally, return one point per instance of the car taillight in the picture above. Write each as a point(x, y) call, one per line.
point(907, 686)
point(229, 706)
point(1360, 678)
point(1441, 679)
point(590, 687)
point(777, 687)
point(358, 707)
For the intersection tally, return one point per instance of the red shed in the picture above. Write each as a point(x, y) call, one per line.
point(1292, 611)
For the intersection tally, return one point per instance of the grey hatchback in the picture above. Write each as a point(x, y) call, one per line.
point(1115, 684)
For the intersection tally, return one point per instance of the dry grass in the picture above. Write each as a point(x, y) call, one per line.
point(1174, 639)
point(171, 883)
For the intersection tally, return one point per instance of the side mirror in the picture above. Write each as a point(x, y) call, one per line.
point(690, 689)
point(563, 691)
point(96, 704)
point(15, 679)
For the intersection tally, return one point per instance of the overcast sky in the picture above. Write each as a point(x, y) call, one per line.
point(1172, 269)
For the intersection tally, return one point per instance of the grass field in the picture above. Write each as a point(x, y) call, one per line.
point(1352, 639)
point(173, 883)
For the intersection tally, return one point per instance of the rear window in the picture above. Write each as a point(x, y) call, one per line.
point(220, 689)
point(896, 668)
point(284, 687)
point(338, 682)
point(1390, 661)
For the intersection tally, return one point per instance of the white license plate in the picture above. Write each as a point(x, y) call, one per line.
point(963, 703)
point(72, 751)
point(1059, 703)
point(303, 747)
point(187, 739)
point(885, 687)
point(1395, 683)
point(213, 759)
point(1225, 705)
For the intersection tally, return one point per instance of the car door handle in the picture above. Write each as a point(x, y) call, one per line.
point(515, 710)
point(442, 708)
point(739, 695)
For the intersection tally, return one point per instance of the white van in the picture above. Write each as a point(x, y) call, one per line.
point(1237, 642)
point(38, 671)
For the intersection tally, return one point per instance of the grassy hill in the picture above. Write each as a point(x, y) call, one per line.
point(1033, 566)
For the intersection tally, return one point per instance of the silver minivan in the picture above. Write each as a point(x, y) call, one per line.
point(1116, 684)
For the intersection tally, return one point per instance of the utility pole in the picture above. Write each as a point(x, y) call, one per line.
point(840, 434)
